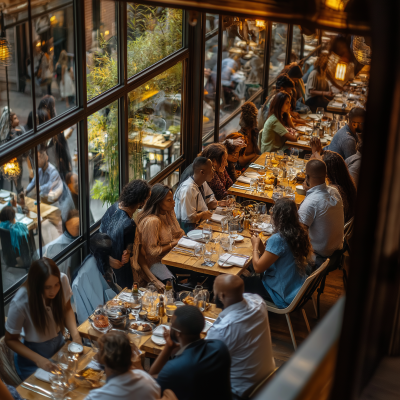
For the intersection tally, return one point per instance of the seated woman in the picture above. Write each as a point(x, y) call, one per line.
point(233, 154)
point(43, 309)
point(248, 128)
point(18, 231)
point(159, 229)
point(279, 127)
point(119, 225)
point(284, 260)
point(123, 380)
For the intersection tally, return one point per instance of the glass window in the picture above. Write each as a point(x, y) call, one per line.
point(155, 124)
point(103, 160)
point(310, 43)
point(101, 46)
point(18, 205)
point(211, 22)
point(172, 180)
point(153, 33)
point(296, 44)
point(16, 95)
point(278, 50)
point(242, 67)
point(54, 62)
point(210, 81)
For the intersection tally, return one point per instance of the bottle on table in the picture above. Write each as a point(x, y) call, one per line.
point(160, 307)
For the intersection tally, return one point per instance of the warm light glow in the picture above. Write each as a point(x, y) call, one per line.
point(38, 44)
point(53, 18)
point(260, 23)
point(43, 43)
point(340, 71)
point(5, 54)
point(147, 87)
point(336, 4)
point(51, 48)
point(107, 33)
point(11, 169)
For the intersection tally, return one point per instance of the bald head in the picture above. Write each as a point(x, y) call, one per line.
point(228, 289)
point(315, 173)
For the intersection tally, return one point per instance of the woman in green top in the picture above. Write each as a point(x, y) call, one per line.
point(279, 127)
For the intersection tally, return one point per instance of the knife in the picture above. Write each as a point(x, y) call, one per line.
point(36, 389)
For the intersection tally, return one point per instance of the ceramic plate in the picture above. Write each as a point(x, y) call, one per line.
point(240, 238)
point(196, 234)
point(313, 116)
point(160, 341)
point(251, 174)
point(141, 332)
point(101, 330)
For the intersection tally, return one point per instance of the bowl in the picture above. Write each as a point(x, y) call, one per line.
point(300, 190)
point(300, 177)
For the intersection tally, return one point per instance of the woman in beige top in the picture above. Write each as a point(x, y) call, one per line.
point(159, 229)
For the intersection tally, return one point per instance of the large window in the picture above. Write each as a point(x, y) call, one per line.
point(278, 50)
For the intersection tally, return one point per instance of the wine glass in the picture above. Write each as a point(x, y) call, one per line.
point(320, 112)
point(294, 153)
point(207, 233)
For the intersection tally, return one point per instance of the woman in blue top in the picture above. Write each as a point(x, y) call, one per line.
point(18, 231)
point(282, 264)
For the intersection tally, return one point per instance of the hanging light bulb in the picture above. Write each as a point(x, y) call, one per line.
point(5, 52)
point(11, 170)
point(340, 73)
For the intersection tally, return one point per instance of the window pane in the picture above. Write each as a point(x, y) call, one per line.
point(54, 62)
point(278, 50)
point(17, 254)
point(210, 81)
point(310, 43)
point(211, 22)
point(101, 46)
point(153, 33)
point(17, 94)
point(61, 195)
point(242, 67)
point(296, 44)
point(172, 180)
point(155, 124)
point(103, 160)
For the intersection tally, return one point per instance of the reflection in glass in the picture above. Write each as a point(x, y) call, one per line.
point(278, 50)
point(242, 67)
point(211, 22)
point(296, 44)
point(103, 160)
point(155, 124)
point(19, 239)
point(101, 46)
point(172, 180)
point(153, 33)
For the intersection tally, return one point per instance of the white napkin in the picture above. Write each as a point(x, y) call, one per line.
point(336, 104)
point(94, 365)
point(125, 296)
point(190, 244)
point(207, 326)
point(302, 142)
point(221, 211)
point(244, 179)
point(217, 217)
point(42, 375)
point(234, 260)
point(26, 221)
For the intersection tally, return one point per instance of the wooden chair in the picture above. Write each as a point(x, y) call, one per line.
point(305, 293)
point(260, 385)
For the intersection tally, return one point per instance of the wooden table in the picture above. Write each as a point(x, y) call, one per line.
point(77, 394)
point(192, 263)
point(267, 197)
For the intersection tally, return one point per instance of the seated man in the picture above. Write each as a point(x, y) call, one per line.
point(244, 327)
point(50, 183)
point(354, 163)
point(322, 212)
point(123, 382)
point(201, 368)
point(194, 198)
point(345, 140)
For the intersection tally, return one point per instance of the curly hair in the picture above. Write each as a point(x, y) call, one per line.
point(214, 152)
point(230, 148)
point(339, 176)
point(286, 222)
point(135, 192)
point(249, 114)
point(115, 351)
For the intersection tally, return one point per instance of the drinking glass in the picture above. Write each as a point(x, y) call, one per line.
point(224, 224)
point(230, 199)
point(294, 153)
point(320, 112)
point(289, 164)
point(68, 364)
point(234, 228)
point(279, 154)
point(261, 208)
point(261, 186)
point(208, 252)
point(277, 193)
point(207, 233)
point(199, 250)
point(170, 308)
point(226, 243)
point(253, 184)
point(58, 384)
point(267, 161)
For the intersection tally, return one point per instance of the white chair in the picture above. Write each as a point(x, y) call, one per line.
point(305, 293)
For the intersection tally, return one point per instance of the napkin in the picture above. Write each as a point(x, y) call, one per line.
point(336, 104)
point(244, 179)
point(221, 211)
point(94, 365)
point(26, 221)
point(190, 244)
point(217, 217)
point(125, 296)
point(42, 375)
point(302, 142)
point(234, 260)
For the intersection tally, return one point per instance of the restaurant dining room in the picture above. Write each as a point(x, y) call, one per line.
point(199, 200)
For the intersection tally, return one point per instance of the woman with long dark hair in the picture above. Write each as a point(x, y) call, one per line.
point(338, 176)
point(285, 258)
point(43, 309)
point(278, 127)
point(159, 229)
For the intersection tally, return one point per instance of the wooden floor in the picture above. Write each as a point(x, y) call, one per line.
point(281, 340)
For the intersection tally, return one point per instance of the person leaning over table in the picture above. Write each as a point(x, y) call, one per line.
point(244, 327)
point(279, 127)
point(322, 212)
point(42, 308)
point(283, 263)
point(345, 140)
point(193, 198)
point(201, 368)
point(159, 229)
point(124, 382)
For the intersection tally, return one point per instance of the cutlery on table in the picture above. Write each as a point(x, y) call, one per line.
point(37, 389)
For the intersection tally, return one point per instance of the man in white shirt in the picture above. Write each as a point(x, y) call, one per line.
point(322, 212)
point(244, 327)
point(123, 382)
point(194, 198)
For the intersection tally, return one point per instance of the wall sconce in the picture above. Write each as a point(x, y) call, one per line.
point(260, 23)
point(340, 71)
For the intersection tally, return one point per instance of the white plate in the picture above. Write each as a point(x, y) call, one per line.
point(196, 234)
point(313, 116)
point(4, 194)
point(225, 265)
point(101, 330)
point(240, 238)
point(303, 128)
point(324, 141)
point(19, 217)
point(251, 174)
point(159, 331)
point(75, 348)
point(160, 341)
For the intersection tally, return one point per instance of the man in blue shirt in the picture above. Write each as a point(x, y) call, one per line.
point(345, 140)
point(201, 368)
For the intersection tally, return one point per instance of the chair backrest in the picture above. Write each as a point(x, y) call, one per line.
point(308, 288)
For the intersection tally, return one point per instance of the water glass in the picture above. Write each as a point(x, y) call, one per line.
point(199, 250)
point(279, 154)
point(277, 193)
point(208, 252)
point(253, 184)
point(234, 228)
point(58, 384)
point(261, 186)
point(267, 161)
point(230, 199)
point(226, 243)
point(207, 233)
point(294, 153)
point(224, 224)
